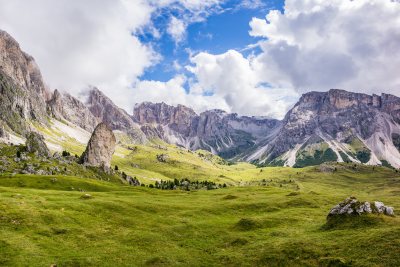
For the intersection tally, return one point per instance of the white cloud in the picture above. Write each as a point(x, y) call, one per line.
point(233, 79)
point(177, 29)
point(251, 4)
point(313, 45)
point(173, 92)
point(318, 45)
point(77, 43)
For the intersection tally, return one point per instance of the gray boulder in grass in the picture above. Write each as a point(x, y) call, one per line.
point(35, 144)
point(100, 148)
point(352, 206)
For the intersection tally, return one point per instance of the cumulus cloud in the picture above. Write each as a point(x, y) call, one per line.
point(232, 78)
point(318, 45)
point(173, 92)
point(227, 81)
point(177, 29)
point(312, 45)
point(92, 42)
point(77, 43)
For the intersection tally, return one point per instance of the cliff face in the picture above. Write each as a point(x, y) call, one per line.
point(118, 119)
point(66, 107)
point(225, 134)
point(347, 126)
point(22, 91)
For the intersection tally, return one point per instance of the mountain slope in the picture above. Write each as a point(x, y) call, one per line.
point(118, 119)
point(66, 107)
point(215, 130)
point(22, 91)
point(343, 125)
point(323, 126)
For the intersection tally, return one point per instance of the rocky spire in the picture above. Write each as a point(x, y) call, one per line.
point(100, 148)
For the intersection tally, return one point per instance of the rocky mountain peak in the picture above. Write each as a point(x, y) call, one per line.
point(20, 66)
point(162, 113)
point(64, 106)
point(22, 91)
point(106, 111)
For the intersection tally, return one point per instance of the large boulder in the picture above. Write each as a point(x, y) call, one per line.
point(35, 144)
point(100, 148)
point(352, 206)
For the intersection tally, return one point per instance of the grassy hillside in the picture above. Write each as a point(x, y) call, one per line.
point(272, 216)
point(283, 222)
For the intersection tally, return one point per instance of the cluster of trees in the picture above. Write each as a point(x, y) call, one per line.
point(186, 184)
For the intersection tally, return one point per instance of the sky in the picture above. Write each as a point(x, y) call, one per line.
point(251, 57)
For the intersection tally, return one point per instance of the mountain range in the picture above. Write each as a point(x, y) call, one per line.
point(323, 126)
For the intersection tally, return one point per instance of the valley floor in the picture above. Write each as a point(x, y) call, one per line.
point(46, 221)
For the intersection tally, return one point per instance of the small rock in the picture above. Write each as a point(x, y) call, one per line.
point(389, 211)
point(57, 155)
point(162, 158)
point(380, 207)
point(351, 206)
point(132, 181)
point(364, 208)
point(86, 196)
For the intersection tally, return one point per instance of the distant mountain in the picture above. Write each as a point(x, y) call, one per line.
point(215, 130)
point(106, 111)
point(323, 126)
point(66, 107)
point(336, 126)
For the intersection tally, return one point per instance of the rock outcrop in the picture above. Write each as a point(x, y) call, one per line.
point(352, 206)
point(35, 144)
point(100, 148)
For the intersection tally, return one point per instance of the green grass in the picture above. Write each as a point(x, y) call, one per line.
point(44, 221)
point(271, 216)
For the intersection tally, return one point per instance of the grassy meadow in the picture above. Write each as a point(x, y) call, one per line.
point(271, 216)
point(278, 222)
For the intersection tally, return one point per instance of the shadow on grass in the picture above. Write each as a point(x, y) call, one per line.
point(343, 222)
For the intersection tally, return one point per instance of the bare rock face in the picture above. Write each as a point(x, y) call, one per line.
point(340, 126)
point(351, 206)
point(22, 91)
point(35, 144)
point(64, 106)
point(100, 148)
point(118, 119)
point(225, 134)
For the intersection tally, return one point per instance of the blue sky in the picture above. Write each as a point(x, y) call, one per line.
point(224, 29)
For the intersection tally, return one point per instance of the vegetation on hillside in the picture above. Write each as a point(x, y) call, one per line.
point(43, 221)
